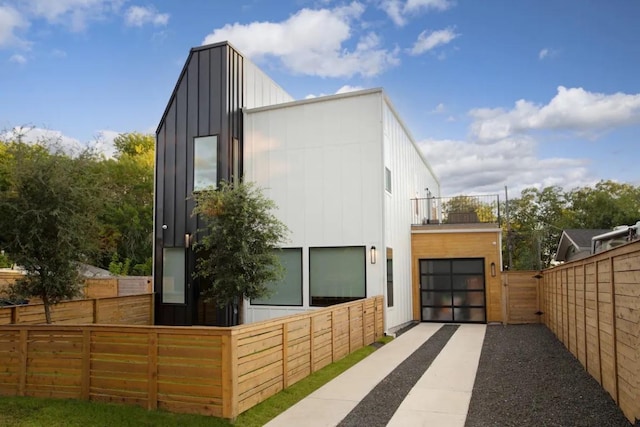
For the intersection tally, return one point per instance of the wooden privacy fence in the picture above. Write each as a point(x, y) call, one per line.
point(522, 294)
point(129, 310)
point(97, 287)
point(205, 370)
point(593, 306)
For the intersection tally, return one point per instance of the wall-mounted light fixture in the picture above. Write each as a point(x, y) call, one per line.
point(493, 269)
point(373, 254)
point(187, 240)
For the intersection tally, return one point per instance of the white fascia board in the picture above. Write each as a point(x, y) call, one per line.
point(457, 231)
point(314, 100)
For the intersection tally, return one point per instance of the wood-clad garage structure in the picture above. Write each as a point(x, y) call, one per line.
point(456, 273)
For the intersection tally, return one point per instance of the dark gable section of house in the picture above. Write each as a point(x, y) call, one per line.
point(207, 100)
point(579, 240)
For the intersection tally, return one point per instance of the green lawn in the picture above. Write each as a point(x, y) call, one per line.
point(32, 412)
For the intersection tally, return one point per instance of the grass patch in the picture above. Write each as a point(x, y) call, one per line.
point(31, 412)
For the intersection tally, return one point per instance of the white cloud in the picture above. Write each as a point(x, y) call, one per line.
point(343, 89)
point(398, 11)
point(427, 41)
point(18, 59)
point(58, 53)
point(439, 109)
point(53, 138)
point(74, 13)
point(11, 21)
point(348, 88)
point(543, 53)
point(138, 16)
point(312, 42)
point(469, 168)
point(103, 143)
point(572, 109)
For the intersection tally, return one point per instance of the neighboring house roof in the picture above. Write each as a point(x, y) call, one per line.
point(575, 241)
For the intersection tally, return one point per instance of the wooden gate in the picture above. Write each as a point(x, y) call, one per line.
point(522, 290)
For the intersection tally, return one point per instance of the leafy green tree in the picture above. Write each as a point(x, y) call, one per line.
point(127, 217)
point(605, 205)
point(48, 208)
point(235, 256)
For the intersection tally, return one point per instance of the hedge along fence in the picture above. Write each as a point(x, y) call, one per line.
point(128, 310)
point(593, 306)
point(205, 370)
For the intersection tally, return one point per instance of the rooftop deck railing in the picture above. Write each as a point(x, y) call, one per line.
point(484, 209)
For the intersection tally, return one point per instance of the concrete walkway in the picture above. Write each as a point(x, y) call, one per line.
point(440, 396)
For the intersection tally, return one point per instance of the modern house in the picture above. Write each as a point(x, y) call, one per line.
point(360, 199)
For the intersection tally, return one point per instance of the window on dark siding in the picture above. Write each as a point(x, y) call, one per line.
point(205, 162)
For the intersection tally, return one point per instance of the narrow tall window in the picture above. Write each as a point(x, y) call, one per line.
point(235, 173)
point(389, 277)
point(173, 275)
point(387, 179)
point(205, 162)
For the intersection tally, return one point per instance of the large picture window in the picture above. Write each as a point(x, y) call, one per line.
point(173, 275)
point(337, 275)
point(205, 162)
point(287, 291)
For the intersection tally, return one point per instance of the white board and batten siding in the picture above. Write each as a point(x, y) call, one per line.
point(410, 176)
point(321, 161)
point(259, 89)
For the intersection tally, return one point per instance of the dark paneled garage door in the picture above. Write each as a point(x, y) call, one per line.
point(452, 290)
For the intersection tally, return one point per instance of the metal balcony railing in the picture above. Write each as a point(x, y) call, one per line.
point(483, 209)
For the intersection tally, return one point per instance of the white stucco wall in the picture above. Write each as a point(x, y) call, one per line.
point(321, 162)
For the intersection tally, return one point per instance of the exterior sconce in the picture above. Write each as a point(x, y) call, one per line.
point(187, 240)
point(493, 269)
point(373, 254)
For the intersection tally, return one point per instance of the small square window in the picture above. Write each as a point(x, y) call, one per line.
point(387, 180)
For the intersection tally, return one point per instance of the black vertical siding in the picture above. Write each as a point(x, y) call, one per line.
point(170, 177)
point(207, 100)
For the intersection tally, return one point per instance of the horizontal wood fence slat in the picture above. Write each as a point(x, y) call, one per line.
point(204, 370)
point(127, 310)
point(592, 305)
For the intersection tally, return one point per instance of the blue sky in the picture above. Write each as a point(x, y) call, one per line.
point(518, 93)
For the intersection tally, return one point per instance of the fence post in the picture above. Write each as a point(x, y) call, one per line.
point(22, 357)
point(285, 355)
point(597, 284)
point(86, 364)
point(613, 331)
point(584, 311)
point(311, 344)
point(152, 371)
point(229, 375)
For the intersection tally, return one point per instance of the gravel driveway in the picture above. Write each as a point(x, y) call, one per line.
point(527, 377)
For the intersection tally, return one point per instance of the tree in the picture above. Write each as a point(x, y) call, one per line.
point(127, 217)
point(235, 251)
point(47, 218)
point(606, 205)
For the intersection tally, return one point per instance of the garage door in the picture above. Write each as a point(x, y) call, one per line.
point(452, 290)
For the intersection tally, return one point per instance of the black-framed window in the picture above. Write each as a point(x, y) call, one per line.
point(452, 290)
point(174, 276)
point(288, 291)
point(389, 277)
point(337, 275)
point(205, 162)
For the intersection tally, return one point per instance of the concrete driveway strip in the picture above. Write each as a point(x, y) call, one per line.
point(331, 403)
point(441, 396)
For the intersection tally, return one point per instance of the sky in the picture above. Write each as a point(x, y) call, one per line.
point(525, 93)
